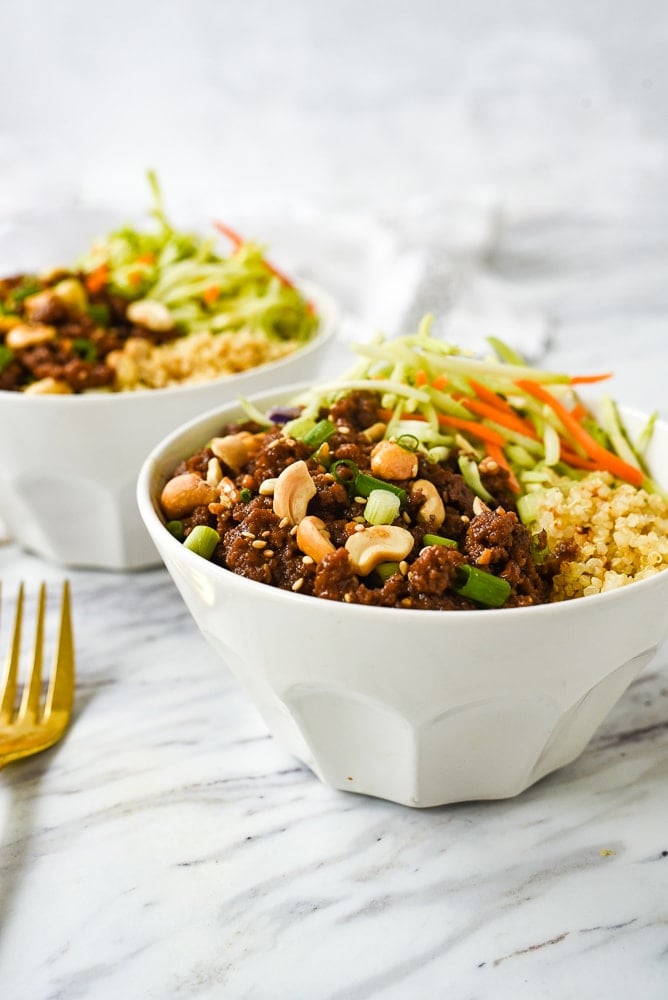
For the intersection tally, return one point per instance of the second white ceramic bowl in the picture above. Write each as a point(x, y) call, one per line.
point(70, 463)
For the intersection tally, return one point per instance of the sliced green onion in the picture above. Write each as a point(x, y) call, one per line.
point(99, 313)
point(438, 454)
point(175, 528)
point(382, 507)
point(6, 357)
point(317, 435)
point(202, 540)
point(298, 427)
point(365, 484)
point(361, 483)
point(386, 570)
point(245, 495)
point(449, 543)
point(482, 587)
point(471, 475)
point(408, 441)
point(85, 349)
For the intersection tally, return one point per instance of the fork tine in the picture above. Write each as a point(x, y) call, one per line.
point(12, 662)
point(33, 689)
point(60, 696)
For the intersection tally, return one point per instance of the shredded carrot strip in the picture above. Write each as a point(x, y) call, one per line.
point(579, 411)
point(608, 461)
point(210, 294)
point(420, 378)
point(230, 233)
point(278, 274)
point(440, 382)
point(510, 420)
point(587, 379)
point(487, 396)
point(478, 430)
point(579, 461)
point(97, 279)
point(146, 258)
point(495, 452)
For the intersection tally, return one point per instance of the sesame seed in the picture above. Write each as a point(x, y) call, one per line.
point(266, 534)
point(293, 529)
point(268, 553)
point(343, 429)
point(403, 567)
point(248, 534)
point(359, 527)
point(266, 488)
point(298, 584)
point(347, 598)
point(259, 544)
point(406, 517)
point(360, 500)
point(465, 519)
point(284, 522)
point(308, 560)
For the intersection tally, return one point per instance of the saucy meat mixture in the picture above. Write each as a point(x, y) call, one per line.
point(341, 513)
point(59, 333)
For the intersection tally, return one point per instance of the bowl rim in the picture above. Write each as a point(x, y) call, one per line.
point(153, 521)
point(327, 306)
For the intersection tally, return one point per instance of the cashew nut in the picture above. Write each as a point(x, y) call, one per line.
point(390, 461)
point(432, 510)
point(151, 314)
point(72, 293)
point(48, 387)
point(292, 491)
point(235, 449)
point(313, 538)
point(214, 473)
point(377, 544)
point(182, 494)
point(27, 336)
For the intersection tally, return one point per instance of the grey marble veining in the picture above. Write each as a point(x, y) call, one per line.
point(168, 848)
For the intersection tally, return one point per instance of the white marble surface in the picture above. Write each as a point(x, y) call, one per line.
point(503, 165)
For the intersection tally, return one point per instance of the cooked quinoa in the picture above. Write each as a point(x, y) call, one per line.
point(197, 358)
point(620, 532)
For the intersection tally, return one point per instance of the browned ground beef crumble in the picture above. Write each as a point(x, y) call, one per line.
point(493, 539)
point(77, 341)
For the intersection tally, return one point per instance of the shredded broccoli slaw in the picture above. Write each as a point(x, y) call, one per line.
point(200, 290)
point(529, 421)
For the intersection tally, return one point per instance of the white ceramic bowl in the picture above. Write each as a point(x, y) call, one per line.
point(419, 707)
point(70, 463)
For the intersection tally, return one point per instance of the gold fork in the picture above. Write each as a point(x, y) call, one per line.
point(33, 728)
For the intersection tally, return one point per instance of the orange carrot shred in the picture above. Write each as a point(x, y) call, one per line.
point(510, 420)
point(487, 396)
point(97, 279)
point(587, 379)
point(608, 461)
point(420, 378)
point(232, 236)
point(440, 382)
point(478, 430)
point(210, 294)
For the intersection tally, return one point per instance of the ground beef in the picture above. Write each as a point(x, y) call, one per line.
point(258, 543)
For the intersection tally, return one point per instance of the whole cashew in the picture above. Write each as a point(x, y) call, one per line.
point(182, 494)
point(390, 461)
point(292, 491)
point(432, 510)
point(313, 538)
point(377, 544)
point(235, 449)
point(151, 314)
point(27, 336)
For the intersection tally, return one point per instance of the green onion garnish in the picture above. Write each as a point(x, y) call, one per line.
point(385, 570)
point(408, 441)
point(322, 431)
point(382, 507)
point(6, 357)
point(175, 528)
point(298, 427)
point(99, 313)
point(85, 349)
point(245, 495)
point(482, 587)
point(449, 543)
point(202, 540)
point(361, 483)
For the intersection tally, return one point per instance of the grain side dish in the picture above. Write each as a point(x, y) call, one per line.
point(427, 478)
point(149, 310)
